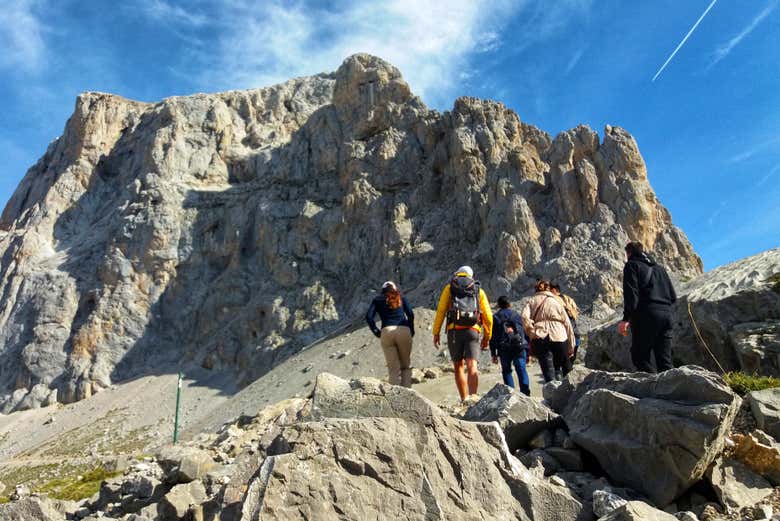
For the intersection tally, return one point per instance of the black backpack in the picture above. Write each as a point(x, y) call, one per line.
point(513, 340)
point(464, 305)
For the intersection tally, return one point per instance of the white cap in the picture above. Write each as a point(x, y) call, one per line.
point(465, 269)
point(389, 284)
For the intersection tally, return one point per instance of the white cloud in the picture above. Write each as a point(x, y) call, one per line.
point(574, 60)
point(724, 49)
point(21, 37)
point(761, 146)
point(428, 40)
point(166, 12)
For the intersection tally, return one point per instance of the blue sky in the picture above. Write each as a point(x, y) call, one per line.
point(708, 126)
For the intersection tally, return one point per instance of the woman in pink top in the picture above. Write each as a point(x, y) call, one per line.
point(550, 330)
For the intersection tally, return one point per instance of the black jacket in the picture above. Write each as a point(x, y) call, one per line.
point(497, 339)
point(645, 285)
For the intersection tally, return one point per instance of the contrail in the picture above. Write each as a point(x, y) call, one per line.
point(684, 40)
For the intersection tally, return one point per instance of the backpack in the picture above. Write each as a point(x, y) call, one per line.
point(464, 304)
point(513, 340)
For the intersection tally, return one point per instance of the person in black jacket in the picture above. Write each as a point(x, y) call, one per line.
point(396, 333)
point(648, 295)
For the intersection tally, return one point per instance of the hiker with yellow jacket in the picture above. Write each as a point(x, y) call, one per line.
point(466, 308)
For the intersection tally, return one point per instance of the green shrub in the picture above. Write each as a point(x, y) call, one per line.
point(743, 383)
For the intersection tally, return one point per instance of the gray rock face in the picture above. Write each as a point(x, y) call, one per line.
point(520, 416)
point(229, 230)
point(736, 485)
point(30, 509)
point(654, 433)
point(637, 511)
point(735, 307)
point(765, 406)
point(382, 455)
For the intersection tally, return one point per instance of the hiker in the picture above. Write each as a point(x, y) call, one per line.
point(466, 307)
point(509, 345)
point(396, 333)
point(547, 324)
point(573, 312)
point(648, 295)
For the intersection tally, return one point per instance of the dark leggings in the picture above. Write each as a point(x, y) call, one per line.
point(560, 357)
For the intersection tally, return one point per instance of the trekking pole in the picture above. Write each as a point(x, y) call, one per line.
point(176, 419)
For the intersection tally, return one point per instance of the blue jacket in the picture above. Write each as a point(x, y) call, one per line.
point(402, 316)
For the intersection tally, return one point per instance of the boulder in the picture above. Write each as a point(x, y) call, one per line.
point(736, 309)
point(520, 416)
point(362, 468)
point(184, 463)
point(334, 397)
point(637, 511)
point(30, 509)
point(654, 433)
point(736, 485)
point(604, 502)
point(178, 501)
point(539, 458)
point(370, 448)
point(760, 454)
point(765, 405)
point(569, 459)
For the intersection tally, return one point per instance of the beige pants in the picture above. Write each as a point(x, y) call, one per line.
point(397, 345)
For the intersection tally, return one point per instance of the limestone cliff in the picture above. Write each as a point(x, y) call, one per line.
point(228, 229)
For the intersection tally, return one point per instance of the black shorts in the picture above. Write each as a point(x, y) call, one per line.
point(463, 343)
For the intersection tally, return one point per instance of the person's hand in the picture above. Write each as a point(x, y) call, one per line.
point(436, 341)
point(495, 359)
point(623, 328)
point(485, 343)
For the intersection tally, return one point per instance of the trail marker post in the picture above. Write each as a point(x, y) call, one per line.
point(176, 419)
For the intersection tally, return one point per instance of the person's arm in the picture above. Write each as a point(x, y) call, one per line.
point(528, 323)
point(487, 317)
point(672, 292)
point(630, 290)
point(494, 340)
point(569, 332)
point(441, 313)
point(370, 314)
point(409, 314)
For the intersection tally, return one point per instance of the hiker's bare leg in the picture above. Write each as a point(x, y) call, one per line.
point(460, 379)
point(473, 375)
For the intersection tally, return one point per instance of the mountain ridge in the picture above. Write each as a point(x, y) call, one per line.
point(228, 230)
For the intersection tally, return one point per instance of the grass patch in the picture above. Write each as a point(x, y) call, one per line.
point(4, 499)
point(743, 383)
point(74, 489)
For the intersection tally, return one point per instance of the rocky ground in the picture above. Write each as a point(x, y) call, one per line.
point(601, 445)
point(135, 418)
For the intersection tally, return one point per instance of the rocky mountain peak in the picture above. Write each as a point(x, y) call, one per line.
point(228, 230)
